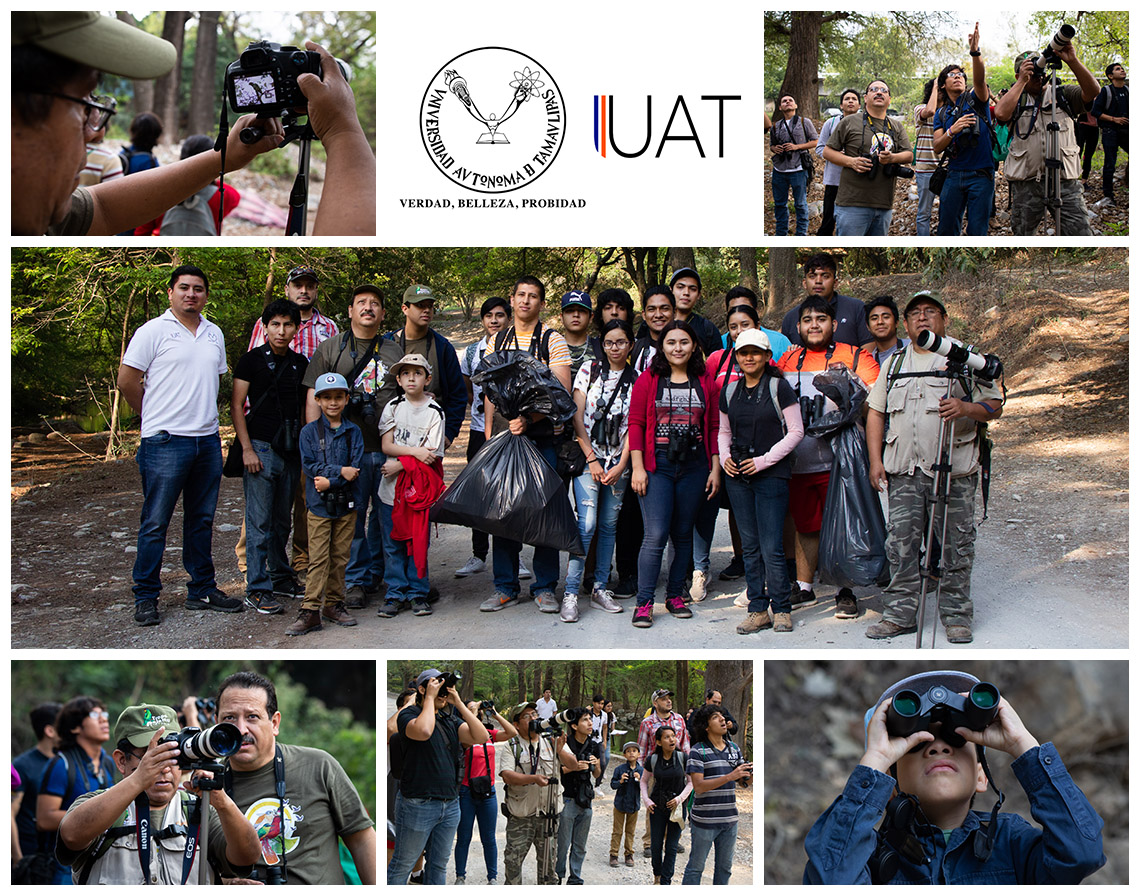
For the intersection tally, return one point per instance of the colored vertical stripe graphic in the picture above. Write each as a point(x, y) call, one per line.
point(600, 124)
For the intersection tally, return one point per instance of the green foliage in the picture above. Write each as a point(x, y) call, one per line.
point(1102, 35)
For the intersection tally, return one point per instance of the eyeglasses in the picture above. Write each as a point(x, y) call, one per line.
point(950, 75)
point(98, 715)
point(620, 343)
point(99, 109)
point(885, 90)
point(923, 311)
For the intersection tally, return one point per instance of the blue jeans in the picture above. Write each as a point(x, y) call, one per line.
point(703, 532)
point(925, 202)
point(598, 507)
point(668, 508)
point(268, 516)
point(190, 466)
point(664, 835)
point(759, 506)
point(970, 193)
point(505, 554)
point(423, 826)
point(702, 840)
point(404, 582)
point(366, 561)
point(573, 829)
point(487, 813)
point(855, 220)
point(782, 182)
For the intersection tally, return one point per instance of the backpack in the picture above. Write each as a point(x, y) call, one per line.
point(192, 217)
point(126, 154)
point(773, 386)
point(543, 353)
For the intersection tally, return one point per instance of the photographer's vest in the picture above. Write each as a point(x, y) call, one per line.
point(1026, 159)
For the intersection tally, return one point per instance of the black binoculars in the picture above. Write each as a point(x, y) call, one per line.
point(910, 711)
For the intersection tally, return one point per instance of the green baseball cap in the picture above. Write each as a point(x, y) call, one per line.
point(520, 708)
point(417, 293)
point(99, 41)
point(137, 724)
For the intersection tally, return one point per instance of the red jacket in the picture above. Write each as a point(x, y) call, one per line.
point(417, 488)
point(643, 416)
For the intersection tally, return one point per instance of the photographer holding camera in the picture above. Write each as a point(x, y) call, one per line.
point(792, 138)
point(530, 768)
point(581, 773)
point(908, 401)
point(103, 836)
point(270, 377)
point(963, 129)
point(872, 150)
point(1030, 106)
point(436, 729)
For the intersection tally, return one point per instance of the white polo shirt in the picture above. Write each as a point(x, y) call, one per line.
point(182, 375)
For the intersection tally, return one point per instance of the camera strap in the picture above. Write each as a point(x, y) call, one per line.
point(803, 357)
point(279, 789)
point(142, 833)
point(193, 827)
point(358, 365)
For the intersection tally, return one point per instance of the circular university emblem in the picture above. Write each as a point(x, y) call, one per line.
point(492, 120)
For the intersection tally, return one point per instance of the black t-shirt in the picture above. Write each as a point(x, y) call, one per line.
point(285, 401)
point(755, 424)
point(571, 781)
point(668, 777)
point(431, 767)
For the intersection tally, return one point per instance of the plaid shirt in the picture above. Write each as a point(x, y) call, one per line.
point(310, 334)
point(646, 740)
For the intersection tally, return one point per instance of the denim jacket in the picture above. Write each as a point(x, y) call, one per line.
point(627, 796)
point(344, 447)
point(1065, 850)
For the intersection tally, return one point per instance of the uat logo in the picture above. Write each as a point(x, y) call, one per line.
point(684, 125)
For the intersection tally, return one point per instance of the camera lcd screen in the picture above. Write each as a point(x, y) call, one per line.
point(255, 90)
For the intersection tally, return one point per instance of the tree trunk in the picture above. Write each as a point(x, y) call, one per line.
point(733, 678)
point(142, 92)
point(681, 257)
point(467, 687)
point(113, 423)
point(166, 87)
point(574, 697)
point(520, 675)
point(269, 280)
point(681, 687)
point(203, 105)
point(801, 77)
point(548, 679)
point(783, 290)
point(748, 275)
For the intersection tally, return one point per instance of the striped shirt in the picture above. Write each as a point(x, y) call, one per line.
point(925, 158)
point(714, 808)
point(310, 334)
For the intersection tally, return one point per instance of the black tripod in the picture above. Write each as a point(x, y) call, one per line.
point(299, 195)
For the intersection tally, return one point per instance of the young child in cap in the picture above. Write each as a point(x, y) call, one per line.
point(937, 837)
point(626, 785)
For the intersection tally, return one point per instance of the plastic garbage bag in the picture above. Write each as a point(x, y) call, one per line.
point(510, 490)
point(518, 383)
point(848, 393)
point(853, 536)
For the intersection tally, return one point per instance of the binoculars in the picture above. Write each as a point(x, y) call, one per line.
point(910, 711)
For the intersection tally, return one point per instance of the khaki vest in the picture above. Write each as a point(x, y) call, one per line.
point(1026, 160)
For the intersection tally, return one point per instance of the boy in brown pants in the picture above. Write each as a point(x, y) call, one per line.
point(626, 785)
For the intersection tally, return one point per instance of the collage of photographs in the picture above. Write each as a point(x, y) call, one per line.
point(322, 411)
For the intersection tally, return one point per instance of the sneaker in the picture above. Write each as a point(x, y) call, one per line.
point(782, 622)
point(416, 877)
point(307, 621)
point(498, 601)
point(524, 573)
point(604, 601)
point(676, 607)
point(390, 609)
point(355, 599)
point(887, 629)
point(734, 570)
point(648, 853)
point(680, 848)
point(146, 612)
point(754, 622)
point(569, 607)
point(613, 861)
point(741, 601)
point(338, 614)
point(420, 607)
point(643, 618)
point(301, 576)
point(802, 595)
point(460, 880)
point(846, 607)
point(625, 588)
point(471, 567)
point(699, 590)
point(629, 860)
point(959, 634)
point(290, 588)
point(263, 602)
point(547, 602)
point(215, 599)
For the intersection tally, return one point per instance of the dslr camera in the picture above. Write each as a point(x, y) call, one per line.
point(263, 79)
point(552, 725)
point(363, 404)
point(199, 746)
point(889, 169)
point(1050, 57)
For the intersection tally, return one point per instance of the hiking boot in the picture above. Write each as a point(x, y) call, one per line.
point(146, 612)
point(846, 607)
point(782, 622)
point(471, 567)
point(604, 601)
point(547, 602)
point(420, 607)
point(629, 860)
point(569, 607)
point(741, 601)
point(390, 609)
point(524, 573)
point(355, 599)
point(498, 601)
point(959, 634)
point(676, 607)
point(625, 588)
point(888, 629)
point(733, 571)
point(802, 595)
point(290, 588)
point(307, 621)
point(215, 599)
point(338, 614)
point(754, 622)
point(699, 590)
point(263, 602)
point(613, 861)
point(643, 616)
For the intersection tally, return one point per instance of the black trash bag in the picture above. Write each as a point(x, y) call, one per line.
point(847, 391)
point(510, 490)
point(518, 383)
point(853, 536)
